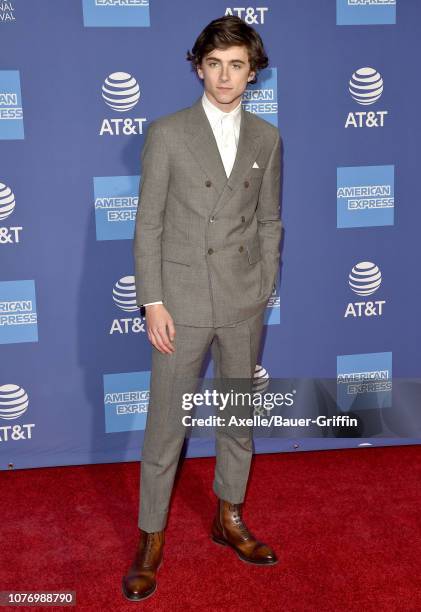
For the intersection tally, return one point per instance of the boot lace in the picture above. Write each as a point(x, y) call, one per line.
point(237, 518)
point(147, 549)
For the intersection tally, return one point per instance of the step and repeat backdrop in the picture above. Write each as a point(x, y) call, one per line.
point(80, 82)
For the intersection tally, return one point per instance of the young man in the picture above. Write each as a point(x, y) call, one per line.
point(206, 253)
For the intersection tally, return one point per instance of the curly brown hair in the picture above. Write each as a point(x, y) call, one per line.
point(225, 32)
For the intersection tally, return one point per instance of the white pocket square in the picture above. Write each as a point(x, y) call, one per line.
point(255, 165)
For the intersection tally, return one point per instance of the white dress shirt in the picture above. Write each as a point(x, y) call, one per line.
point(226, 129)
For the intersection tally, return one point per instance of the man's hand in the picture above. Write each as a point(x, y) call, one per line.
point(160, 328)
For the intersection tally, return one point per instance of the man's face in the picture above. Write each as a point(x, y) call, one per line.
point(225, 73)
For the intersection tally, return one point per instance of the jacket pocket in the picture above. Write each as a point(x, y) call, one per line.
point(253, 252)
point(257, 172)
point(176, 252)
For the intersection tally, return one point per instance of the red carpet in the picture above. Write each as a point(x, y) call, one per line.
point(345, 524)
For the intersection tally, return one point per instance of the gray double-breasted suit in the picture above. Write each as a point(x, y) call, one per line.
point(208, 247)
point(205, 245)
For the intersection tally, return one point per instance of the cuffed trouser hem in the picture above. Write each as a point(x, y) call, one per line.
point(234, 496)
point(153, 522)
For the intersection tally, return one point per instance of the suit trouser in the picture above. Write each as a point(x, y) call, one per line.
point(234, 351)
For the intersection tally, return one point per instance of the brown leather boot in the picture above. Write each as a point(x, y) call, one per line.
point(140, 581)
point(229, 529)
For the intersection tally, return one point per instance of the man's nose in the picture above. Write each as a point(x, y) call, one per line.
point(224, 74)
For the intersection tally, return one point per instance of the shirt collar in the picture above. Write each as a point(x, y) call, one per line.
point(215, 114)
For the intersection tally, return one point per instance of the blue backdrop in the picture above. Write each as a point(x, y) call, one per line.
point(80, 81)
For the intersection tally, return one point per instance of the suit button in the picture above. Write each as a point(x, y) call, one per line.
point(241, 248)
point(243, 219)
point(208, 183)
point(212, 219)
point(246, 184)
point(210, 251)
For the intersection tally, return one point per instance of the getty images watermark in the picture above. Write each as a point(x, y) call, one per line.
point(361, 404)
point(258, 404)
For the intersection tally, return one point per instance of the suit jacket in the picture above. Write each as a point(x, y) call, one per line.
point(207, 245)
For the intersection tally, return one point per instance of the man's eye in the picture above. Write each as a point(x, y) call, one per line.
point(237, 65)
point(212, 64)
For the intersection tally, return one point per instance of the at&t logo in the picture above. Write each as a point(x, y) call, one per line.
point(13, 404)
point(260, 379)
point(366, 88)
point(365, 279)
point(10, 234)
point(251, 15)
point(124, 296)
point(121, 92)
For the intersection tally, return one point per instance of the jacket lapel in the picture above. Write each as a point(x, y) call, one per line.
point(247, 151)
point(201, 142)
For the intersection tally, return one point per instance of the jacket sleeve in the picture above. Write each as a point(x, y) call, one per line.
point(268, 218)
point(153, 192)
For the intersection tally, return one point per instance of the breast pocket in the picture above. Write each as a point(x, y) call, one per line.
point(257, 173)
point(255, 176)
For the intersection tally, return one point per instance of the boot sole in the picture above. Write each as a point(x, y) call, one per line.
point(132, 598)
point(141, 598)
point(245, 559)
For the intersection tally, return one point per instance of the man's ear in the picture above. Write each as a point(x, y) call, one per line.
point(200, 72)
point(251, 76)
